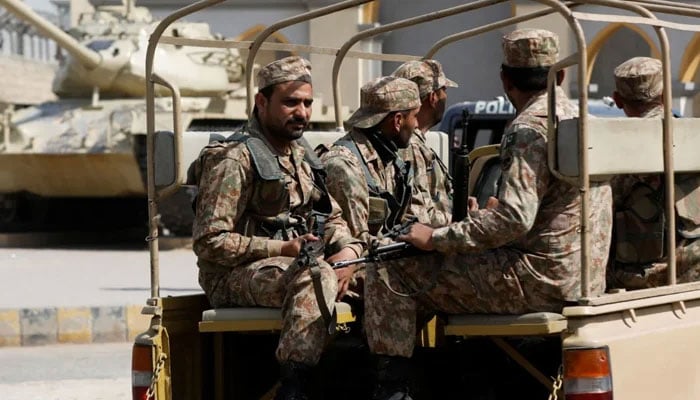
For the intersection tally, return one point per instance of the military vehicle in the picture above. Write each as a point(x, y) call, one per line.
point(625, 345)
point(86, 152)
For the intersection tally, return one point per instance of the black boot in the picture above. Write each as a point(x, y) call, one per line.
point(294, 381)
point(393, 378)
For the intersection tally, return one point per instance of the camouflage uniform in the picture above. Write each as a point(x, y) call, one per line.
point(346, 179)
point(521, 256)
point(640, 80)
point(432, 183)
point(239, 260)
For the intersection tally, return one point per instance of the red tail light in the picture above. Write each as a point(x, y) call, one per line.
point(141, 371)
point(587, 374)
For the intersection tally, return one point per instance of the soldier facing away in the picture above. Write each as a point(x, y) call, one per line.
point(432, 184)
point(638, 258)
point(522, 255)
point(261, 197)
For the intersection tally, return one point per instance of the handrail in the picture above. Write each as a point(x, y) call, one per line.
point(260, 38)
point(660, 3)
point(390, 27)
point(177, 136)
point(488, 27)
point(150, 137)
point(266, 46)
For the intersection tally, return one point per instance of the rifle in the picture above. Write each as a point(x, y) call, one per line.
point(391, 251)
point(460, 203)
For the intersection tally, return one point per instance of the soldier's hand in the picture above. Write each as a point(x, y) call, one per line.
point(345, 278)
point(472, 204)
point(291, 248)
point(421, 236)
point(492, 202)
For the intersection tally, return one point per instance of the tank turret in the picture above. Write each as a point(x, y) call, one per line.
point(107, 48)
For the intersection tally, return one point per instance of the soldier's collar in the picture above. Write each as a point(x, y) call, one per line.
point(385, 148)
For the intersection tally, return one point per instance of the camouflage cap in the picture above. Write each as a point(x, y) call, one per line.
point(381, 96)
point(427, 74)
point(639, 79)
point(529, 48)
point(291, 68)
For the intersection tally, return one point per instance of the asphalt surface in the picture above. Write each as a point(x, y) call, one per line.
point(66, 372)
point(64, 288)
point(74, 277)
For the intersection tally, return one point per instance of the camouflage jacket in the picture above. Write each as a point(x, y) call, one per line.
point(432, 183)
point(230, 190)
point(347, 184)
point(537, 215)
point(687, 205)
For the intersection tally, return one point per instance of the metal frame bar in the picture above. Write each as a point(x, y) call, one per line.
point(151, 80)
point(487, 28)
point(260, 38)
point(391, 27)
point(641, 7)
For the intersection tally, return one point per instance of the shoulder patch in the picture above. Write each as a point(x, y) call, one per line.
point(508, 139)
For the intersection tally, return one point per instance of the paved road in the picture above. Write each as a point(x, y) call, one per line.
point(66, 372)
point(76, 277)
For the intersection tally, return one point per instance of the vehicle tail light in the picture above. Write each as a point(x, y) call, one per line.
point(587, 374)
point(141, 371)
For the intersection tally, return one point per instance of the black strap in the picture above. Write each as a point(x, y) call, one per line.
point(352, 146)
point(397, 207)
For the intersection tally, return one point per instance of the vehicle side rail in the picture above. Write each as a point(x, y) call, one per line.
point(610, 137)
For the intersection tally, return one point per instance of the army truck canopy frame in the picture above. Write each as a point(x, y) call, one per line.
point(598, 338)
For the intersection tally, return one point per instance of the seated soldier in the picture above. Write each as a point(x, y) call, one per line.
point(365, 172)
point(261, 198)
point(638, 258)
point(432, 183)
point(522, 255)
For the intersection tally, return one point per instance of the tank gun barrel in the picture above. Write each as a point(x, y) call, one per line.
point(88, 58)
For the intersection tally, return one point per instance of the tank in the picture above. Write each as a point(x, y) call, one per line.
point(87, 149)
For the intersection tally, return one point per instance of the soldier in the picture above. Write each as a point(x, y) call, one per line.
point(261, 198)
point(522, 255)
point(432, 184)
point(365, 173)
point(638, 259)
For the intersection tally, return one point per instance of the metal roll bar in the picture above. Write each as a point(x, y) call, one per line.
point(260, 38)
point(390, 27)
point(150, 135)
point(640, 7)
point(488, 27)
point(667, 126)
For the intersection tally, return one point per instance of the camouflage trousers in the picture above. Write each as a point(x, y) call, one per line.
point(446, 283)
point(264, 283)
point(656, 274)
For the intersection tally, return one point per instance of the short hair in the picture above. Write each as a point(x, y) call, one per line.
point(267, 91)
point(527, 79)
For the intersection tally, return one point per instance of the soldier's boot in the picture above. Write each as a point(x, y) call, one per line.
point(393, 378)
point(294, 381)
